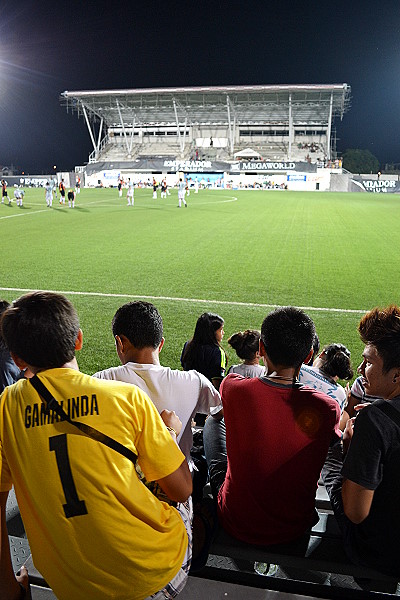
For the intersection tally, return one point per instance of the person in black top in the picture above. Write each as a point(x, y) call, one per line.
point(4, 191)
point(61, 187)
point(71, 198)
point(203, 352)
point(363, 485)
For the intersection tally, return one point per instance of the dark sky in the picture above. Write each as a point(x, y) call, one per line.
point(48, 47)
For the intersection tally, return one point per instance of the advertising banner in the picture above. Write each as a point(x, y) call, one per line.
point(297, 177)
point(33, 181)
point(272, 166)
point(195, 166)
point(110, 177)
point(377, 186)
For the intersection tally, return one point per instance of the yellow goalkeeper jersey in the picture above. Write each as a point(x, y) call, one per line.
point(94, 529)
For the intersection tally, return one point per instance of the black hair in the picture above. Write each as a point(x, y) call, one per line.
point(3, 306)
point(315, 350)
point(41, 328)
point(287, 334)
point(245, 343)
point(140, 322)
point(204, 335)
point(380, 327)
point(336, 361)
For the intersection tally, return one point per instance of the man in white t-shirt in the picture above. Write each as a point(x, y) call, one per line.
point(49, 194)
point(181, 193)
point(18, 196)
point(130, 192)
point(138, 332)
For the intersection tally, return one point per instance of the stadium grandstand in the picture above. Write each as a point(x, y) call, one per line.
point(211, 129)
point(278, 121)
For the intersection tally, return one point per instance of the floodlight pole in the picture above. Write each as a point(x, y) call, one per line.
point(181, 144)
point(290, 128)
point(100, 132)
point(95, 148)
point(231, 128)
point(184, 134)
point(328, 133)
point(123, 127)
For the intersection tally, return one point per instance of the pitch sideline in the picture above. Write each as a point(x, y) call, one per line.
point(189, 300)
point(36, 212)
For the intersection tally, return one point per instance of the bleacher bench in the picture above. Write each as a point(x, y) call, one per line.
point(324, 554)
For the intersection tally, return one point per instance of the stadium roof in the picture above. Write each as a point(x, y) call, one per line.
point(247, 105)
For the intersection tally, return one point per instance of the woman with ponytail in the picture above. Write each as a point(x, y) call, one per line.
point(204, 352)
point(332, 364)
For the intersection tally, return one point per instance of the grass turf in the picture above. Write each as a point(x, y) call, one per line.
point(321, 250)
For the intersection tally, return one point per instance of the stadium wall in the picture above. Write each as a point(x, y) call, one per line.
point(301, 181)
point(340, 182)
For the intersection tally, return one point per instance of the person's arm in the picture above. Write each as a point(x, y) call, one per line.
point(209, 401)
point(11, 587)
point(357, 501)
point(216, 381)
point(217, 413)
point(351, 403)
point(178, 485)
point(356, 498)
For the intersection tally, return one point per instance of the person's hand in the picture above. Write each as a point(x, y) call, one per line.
point(172, 420)
point(348, 434)
point(23, 580)
point(347, 391)
point(360, 406)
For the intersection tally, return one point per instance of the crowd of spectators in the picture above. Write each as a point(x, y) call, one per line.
point(130, 473)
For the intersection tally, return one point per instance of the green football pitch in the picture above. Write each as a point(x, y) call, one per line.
point(237, 253)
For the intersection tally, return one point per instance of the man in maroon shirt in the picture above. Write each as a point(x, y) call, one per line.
point(266, 456)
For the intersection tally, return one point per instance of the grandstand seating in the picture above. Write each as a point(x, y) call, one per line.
point(231, 562)
point(215, 122)
point(115, 150)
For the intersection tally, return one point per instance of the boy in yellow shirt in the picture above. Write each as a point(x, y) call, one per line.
point(94, 529)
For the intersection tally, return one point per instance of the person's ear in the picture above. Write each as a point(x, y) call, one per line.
point(264, 355)
point(396, 376)
point(21, 364)
point(79, 340)
point(309, 356)
point(123, 345)
point(161, 345)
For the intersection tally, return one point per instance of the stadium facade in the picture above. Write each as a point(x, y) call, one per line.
point(233, 135)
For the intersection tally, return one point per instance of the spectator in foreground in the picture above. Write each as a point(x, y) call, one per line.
point(357, 395)
point(94, 529)
point(138, 332)
point(266, 455)
point(9, 372)
point(362, 480)
point(246, 345)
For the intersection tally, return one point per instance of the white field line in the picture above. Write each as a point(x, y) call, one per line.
point(23, 214)
point(191, 300)
point(57, 204)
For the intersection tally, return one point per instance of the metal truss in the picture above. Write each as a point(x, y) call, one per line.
point(287, 106)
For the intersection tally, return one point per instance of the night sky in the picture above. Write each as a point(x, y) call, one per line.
point(46, 48)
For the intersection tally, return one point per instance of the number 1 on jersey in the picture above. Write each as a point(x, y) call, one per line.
point(73, 507)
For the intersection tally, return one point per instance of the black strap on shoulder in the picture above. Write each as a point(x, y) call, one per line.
point(52, 404)
point(295, 385)
point(389, 410)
